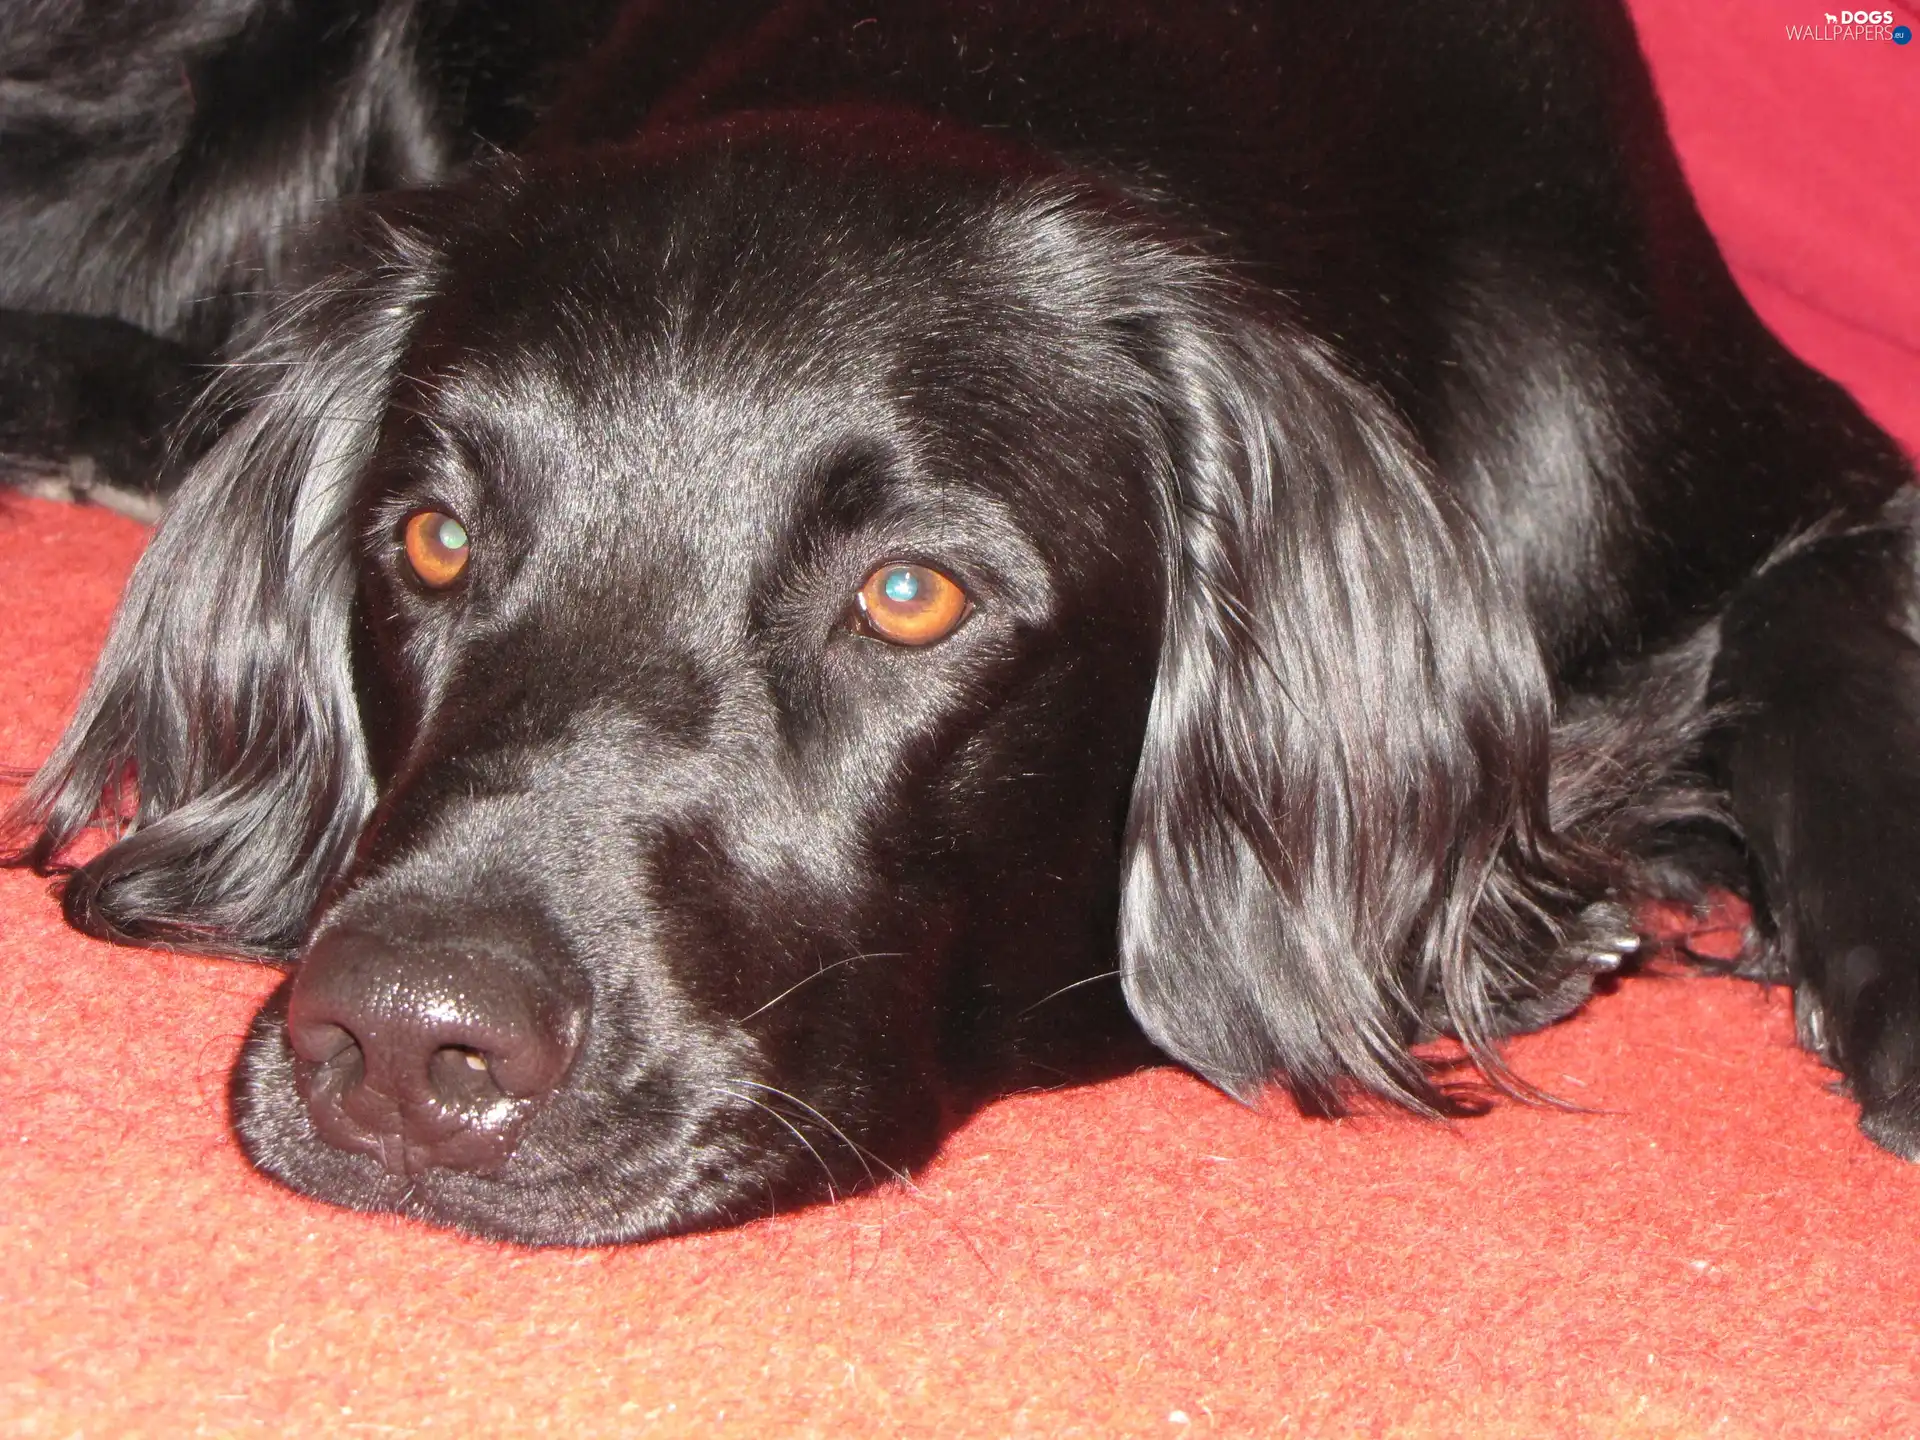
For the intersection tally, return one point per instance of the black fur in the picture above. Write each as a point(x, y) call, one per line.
point(1394, 550)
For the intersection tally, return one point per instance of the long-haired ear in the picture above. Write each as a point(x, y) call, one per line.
point(224, 695)
point(1339, 838)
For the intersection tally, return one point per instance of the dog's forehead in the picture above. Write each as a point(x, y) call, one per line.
point(698, 357)
point(705, 462)
point(744, 281)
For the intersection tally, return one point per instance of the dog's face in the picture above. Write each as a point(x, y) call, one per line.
point(717, 658)
point(758, 603)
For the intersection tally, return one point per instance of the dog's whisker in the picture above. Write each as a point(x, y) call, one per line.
point(809, 979)
point(1113, 974)
point(825, 1169)
point(860, 1152)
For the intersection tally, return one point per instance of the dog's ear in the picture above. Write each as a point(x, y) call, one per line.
point(1338, 833)
point(223, 695)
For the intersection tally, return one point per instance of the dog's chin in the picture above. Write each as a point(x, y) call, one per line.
point(629, 1187)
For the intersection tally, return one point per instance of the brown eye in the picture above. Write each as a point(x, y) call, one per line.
point(911, 604)
point(436, 547)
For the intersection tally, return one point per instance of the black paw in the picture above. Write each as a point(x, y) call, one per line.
point(1605, 937)
point(1893, 1126)
point(1599, 940)
point(1889, 1109)
point(87, 406)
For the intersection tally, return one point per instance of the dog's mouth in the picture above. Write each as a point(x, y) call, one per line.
point(686, 1145)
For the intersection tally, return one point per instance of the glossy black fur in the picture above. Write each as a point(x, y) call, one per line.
point(1395, 549)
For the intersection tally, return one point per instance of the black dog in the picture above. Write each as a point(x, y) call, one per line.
point(708, 637)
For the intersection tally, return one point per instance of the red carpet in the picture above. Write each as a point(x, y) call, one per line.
point(1711, 1251)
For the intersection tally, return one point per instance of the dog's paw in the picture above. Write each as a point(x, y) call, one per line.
point(88, 411)
point(1810, 1025)
point(1889, 1118)
point(79, 481)
point(1606, 936)
point(1894, 1125)
point(1596, 942)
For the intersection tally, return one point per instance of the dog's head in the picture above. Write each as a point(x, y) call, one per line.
point(717, 657)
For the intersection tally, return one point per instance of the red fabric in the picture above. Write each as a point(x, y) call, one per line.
point(1802, 154)
point(1707, 1247)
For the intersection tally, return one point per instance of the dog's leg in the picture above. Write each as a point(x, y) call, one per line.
point(86, 408)
point(1821, 663)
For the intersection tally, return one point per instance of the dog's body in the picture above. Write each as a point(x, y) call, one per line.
point(1387, 548)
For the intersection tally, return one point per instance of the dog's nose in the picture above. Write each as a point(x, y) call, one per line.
point(427, 1056)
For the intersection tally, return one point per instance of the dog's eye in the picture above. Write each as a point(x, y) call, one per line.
point(437, 547)
point(911, 604)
